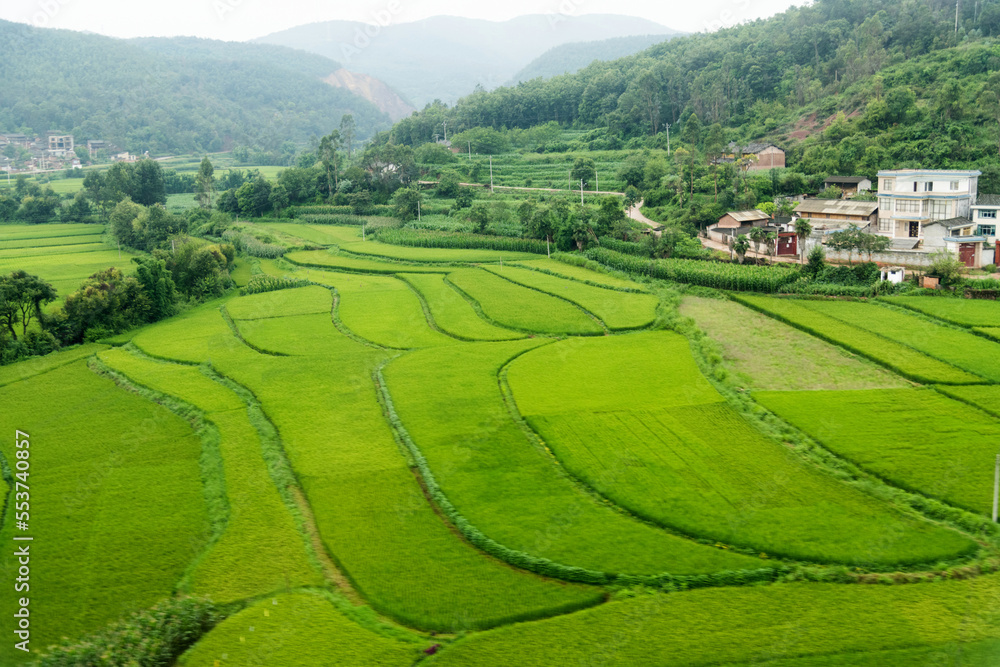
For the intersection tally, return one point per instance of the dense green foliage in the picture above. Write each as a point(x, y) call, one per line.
point(708, 274)
point(915, 87)
point(168, 98)
point(458, 240)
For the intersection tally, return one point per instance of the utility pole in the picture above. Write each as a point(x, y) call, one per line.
point(418, 210)
point(957, 5)
point(668, 138)
point(491, 173)
point(470, 150)
point(996, 489)
point(581, 191)
point(446, 130)
point(597, 182)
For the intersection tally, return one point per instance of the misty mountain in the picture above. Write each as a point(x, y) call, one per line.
point(446, 57)
point(170, 95)
point(571, 58)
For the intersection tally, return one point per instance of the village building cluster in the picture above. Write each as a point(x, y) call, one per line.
point(55, 151)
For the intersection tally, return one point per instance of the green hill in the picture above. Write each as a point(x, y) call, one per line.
point(913, 89)
point(169, 95)
point(571, 58)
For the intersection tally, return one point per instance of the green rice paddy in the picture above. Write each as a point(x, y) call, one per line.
point(413, 444)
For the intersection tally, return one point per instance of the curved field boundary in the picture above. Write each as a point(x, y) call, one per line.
point(578, 274)
point(371, 514)
point(965, 313)
point(321, 259)
point(755, 625)
point(255, 551)
point(544, 566)
point(513, 457)
point(470, 323)
point(924, 369)
point(615, 309)
point(22, 370)
point(693, 465)
point(516, 308)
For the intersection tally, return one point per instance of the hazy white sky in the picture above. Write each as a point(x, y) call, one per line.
point(246, 19)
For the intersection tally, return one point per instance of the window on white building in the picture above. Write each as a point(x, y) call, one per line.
point(885, 225)
point(987, 230)
point(888, 184)
point(987, 215)
point(929, 186)
point(908, 206)
point(939, 210)
point(954, 186)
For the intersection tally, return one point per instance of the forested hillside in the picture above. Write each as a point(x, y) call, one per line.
point(570, 58)
point(169, 96)
point(913, 89)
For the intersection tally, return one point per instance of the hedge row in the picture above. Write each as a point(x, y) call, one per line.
point(459, 240)
point(253, 246)
point(718, 275)
point(263, 283)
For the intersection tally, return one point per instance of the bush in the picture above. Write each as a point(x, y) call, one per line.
point(253, 246)
point(264, 283)
point(152, 638)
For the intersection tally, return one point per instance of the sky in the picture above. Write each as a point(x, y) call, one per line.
point(238, 20)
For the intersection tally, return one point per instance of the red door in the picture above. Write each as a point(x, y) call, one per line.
point(967, 254)
point(788, 244)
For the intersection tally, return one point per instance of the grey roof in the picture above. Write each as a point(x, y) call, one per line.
point(905, 244)
point(950, 223)
point(988, 200)
point(748, 216)
point(752, 147)
point(853, 180)
point(836, 207)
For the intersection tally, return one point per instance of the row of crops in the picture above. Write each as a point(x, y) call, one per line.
point(718, 275)
point(459, 240)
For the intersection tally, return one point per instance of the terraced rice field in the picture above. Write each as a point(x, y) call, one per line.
point(915, 438)
point(852, 336)
point(966, 312)
point(410, 462)
point(63, 254)
point(520, 308)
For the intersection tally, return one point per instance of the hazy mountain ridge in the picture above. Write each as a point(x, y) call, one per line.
point(169, 95)
point(445, 57)
point(571, 58)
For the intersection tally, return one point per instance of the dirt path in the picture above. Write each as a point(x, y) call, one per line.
point(635, 213)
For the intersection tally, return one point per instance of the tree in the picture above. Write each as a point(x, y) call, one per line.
point(803, 228)
point(632, 197)
point(278, 199)
point(38, 210)
point(148, 186)
point(771, 247)
point(480, 217)
point(328, 157)
point(692, 132)
point(107, 302)
point(947, 267)
point(254, 196)
point(714, 147)
point(871, 244)
point(348, 128)
point(846, 240)
point(205, 183)
point(632, 171)
point(989, 100)
point(158, 285)
point(78, 211)
point(21, 299)
point(584, 170)
point(609, 214)
point(816, 262)
point(542, 225)
point(758, 235)
point(406, 203)
point(741, 246)
point(122, 218)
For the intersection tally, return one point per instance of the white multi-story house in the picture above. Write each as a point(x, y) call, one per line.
point(909, 199)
